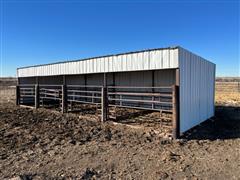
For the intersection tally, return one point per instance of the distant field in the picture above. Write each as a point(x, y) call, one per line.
point(8, 81)
point(227, 91)
point(7, 88)
point(227, 86)
point(227, 79)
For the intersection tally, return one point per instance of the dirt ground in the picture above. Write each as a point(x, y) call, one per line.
point(41, 144)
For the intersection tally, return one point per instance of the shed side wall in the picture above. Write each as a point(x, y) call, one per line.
point(197, 81)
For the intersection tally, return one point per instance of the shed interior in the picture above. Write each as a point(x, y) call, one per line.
point(110, 94)
point(164, 77)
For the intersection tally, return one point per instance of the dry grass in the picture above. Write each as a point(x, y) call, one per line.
point(227, 98)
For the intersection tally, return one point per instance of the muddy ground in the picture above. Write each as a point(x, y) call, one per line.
point(40, 144)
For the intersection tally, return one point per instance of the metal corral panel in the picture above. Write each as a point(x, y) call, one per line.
point(143, 60)
point(197, 80)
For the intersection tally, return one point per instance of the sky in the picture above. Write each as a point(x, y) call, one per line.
point(46, 31)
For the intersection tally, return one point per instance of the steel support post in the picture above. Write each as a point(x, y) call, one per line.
point(36, 96)
point(175, 108)
point(64, 98)
point(104, 102)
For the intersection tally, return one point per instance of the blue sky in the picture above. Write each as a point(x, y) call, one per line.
point(36, 32)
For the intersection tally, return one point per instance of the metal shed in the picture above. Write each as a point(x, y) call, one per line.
point(169, 79)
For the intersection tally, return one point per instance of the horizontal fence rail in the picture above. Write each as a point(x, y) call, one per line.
point(149, 98)
point(25, 94)
point(50, 93)
point(84, 94)
point(68, 97)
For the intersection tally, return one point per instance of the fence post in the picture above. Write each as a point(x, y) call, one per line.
point(104, 104)
point(17, 95)
point(175, 108)
point(64, 99)
point(36, 96)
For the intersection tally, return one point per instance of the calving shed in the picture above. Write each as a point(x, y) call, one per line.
point(168, 80)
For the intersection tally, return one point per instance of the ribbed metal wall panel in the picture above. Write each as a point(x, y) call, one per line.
point(75, 80)
point(197, 79)
point(164, 77)
point(27, 80)
point(146, 60)
point(56, 80)
point(138, 78)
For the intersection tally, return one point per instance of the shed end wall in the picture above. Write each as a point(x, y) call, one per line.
point(197, 81)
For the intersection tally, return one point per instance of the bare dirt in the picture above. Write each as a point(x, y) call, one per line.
point(41, 144)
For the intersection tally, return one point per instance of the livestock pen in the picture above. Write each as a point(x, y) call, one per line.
point(167, 80)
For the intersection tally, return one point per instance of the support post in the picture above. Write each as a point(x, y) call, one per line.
point(175, 108)
point(153, 90)
point(85, 84)
point(104, 115)
point(36, 96)
point(64, 95)
point(177, 77)
point(104, 80)
point(114, 89)
point(64, 80)
point(17, 95)
point(64, 99)
point(36, 80)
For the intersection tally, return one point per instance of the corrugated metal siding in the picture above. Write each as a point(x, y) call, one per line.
point(164, 78)
point(27, 80)
point(97, 79)
point(144, 78)
point(138, 78)
point(197, 79)
point(147, 60)
point(52, 80)
point(75, 80)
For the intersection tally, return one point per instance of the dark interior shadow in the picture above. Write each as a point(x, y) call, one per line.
point(129, 117)
point(84, 109)
point(224, 125)
point(147, 118)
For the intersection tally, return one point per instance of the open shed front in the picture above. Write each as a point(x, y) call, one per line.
point(170, 81)
point(144, 90)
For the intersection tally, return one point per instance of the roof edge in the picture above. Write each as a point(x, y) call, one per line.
point(84, 59)
point(207, 60)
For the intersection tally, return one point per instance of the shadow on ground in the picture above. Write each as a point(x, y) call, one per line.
point(225, 125)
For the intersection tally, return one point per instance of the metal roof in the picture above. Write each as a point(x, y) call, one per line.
point(109, 55)
point(150, 59)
